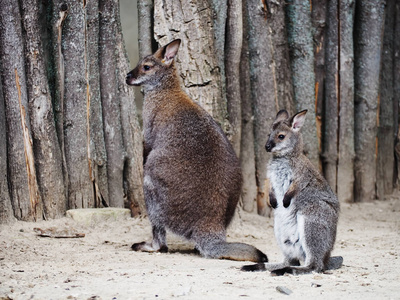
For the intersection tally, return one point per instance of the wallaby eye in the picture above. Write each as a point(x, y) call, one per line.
point(146, 67)
point(281, 136)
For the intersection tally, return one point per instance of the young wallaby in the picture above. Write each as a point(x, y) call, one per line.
point(305, 208)
point(192, 177)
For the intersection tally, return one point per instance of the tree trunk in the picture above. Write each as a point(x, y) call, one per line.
point(345, 169)
point(396, 88)
point(196, 61)
point(263, 94)
point(281, 59)
point(298, 15)
point(97, 151)
point(233, 47)
point(220, 12)
point(6, 212)
point(51, 86)
point(131, 133)
point(368, 45)
point(330, 154)
point(145, 27)
point(48, 157)
point(247, 156)
point(386, 134)
point(59, 13)
point(111, 101)
point(25, 198)
point(76, 100)
point(319, 11)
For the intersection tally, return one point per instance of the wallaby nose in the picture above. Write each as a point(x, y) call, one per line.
point(268, 146)
point(129, 76)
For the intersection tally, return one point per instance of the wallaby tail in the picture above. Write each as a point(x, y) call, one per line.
point(233, 251)
point(334, 263)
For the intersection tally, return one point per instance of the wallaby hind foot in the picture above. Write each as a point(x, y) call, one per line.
point(148, 247)
point(279, 269)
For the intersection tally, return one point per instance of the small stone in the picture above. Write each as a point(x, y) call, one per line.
point(315, 285)
point(283, 290)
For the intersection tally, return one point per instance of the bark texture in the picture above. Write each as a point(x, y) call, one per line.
point(247, 156)
point(196, 62)
point(145, 27)
point(46, 147)
point(131, 133)
point(111, 101)
point(97, 149)
point(386, 133)
point(396, 88)
point(281, 60)
point(80, 189)
point(233, 47)
point(319, 12)
point(331, 142)
point(299, 27)
point(53, 147)
point(6, 211)
point(21, 172)
point(368, 46)
point(345, 169)
point(263, 93)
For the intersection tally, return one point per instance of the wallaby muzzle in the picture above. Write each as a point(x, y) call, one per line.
point(269, 146)
point(130, 78)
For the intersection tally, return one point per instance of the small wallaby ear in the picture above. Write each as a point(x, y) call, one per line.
point(282, 115)
point(298, 120)
point(167, 53)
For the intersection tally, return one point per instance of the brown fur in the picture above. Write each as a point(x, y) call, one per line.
point(192, 177)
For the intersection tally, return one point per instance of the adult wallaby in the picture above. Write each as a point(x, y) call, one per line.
point(305, 208)
point(192, 177)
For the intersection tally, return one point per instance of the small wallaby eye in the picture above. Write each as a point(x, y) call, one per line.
point(281, 136)
point(146, 67)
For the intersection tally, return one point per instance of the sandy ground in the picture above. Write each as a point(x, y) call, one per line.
point(101, 265)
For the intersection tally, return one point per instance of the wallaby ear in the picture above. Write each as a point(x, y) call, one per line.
point(167, 53)
point(282, 115)
point(298, 120)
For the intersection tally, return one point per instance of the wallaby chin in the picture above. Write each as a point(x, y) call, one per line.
point(192, 177)
point(305, 208)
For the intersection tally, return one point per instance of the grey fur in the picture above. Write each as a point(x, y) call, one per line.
point(192, 177)
point(305, 208)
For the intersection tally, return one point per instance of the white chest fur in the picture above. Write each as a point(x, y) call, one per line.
point(288, 224)
point(280, 176)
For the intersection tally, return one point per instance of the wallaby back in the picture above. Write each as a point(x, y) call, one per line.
point(305, 208)
point(192, 177)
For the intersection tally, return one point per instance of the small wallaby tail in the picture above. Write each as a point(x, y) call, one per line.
point(233, 251)
point(334, 263)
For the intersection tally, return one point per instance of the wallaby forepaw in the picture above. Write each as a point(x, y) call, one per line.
point(253, 268)
point(272, 200)
point(287, 199)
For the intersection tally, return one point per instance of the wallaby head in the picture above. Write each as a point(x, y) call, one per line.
point(285, 137)
point(156, 69)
